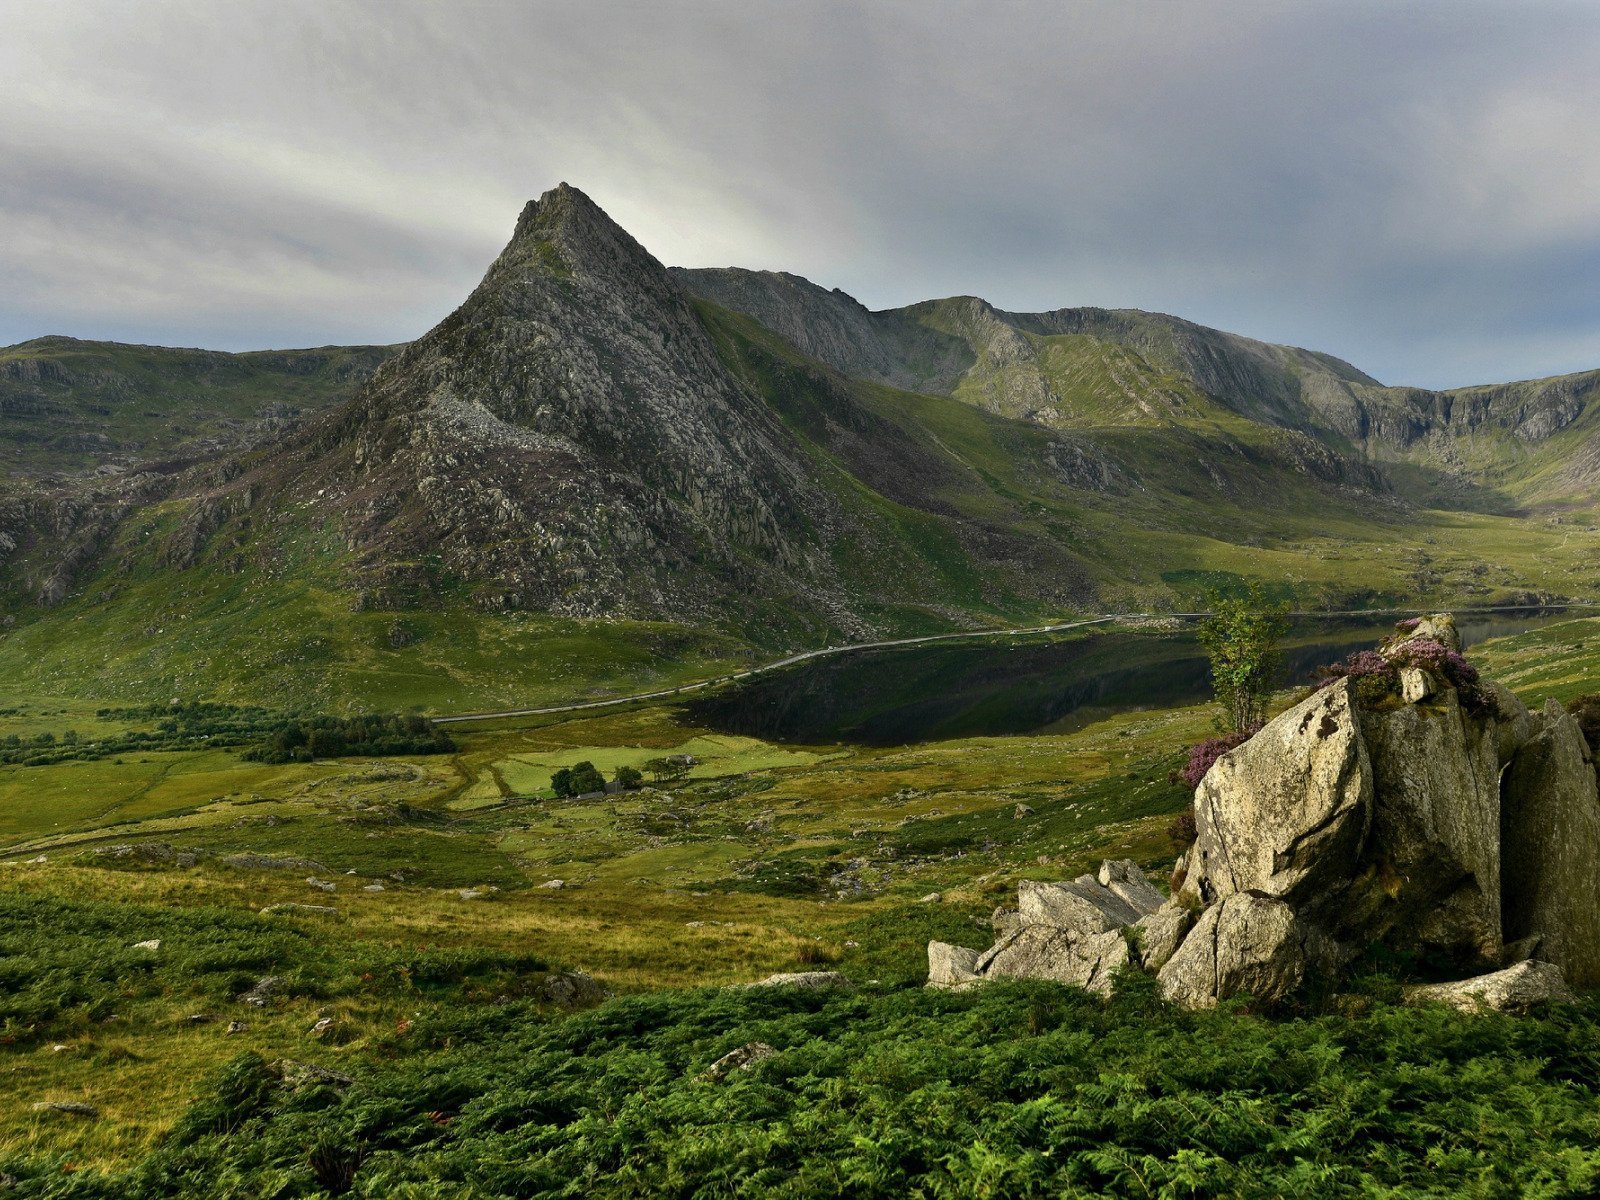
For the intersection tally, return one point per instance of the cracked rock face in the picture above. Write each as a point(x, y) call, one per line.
point(1435, 828)
point(1416, 822)
point(1550, 845)
point(1246, 943)
point(1287, 812)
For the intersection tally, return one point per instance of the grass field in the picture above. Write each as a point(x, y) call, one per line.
point(769, 857)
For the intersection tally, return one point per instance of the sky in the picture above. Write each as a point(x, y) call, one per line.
point(1414, 187)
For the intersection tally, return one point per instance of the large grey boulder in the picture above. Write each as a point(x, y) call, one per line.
point(1515, 990)
point(1123, 878)
point(1550, 847)
point(1246, 943)
point(1088, 960)
point(951, 966)
point(1083, 906)
point(1287, 812)
point(1159, 934)
point(1433, 858)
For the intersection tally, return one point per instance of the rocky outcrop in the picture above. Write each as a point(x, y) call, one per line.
point(1283, 812)
point(1550, 840)
point(1515, 989)
point(1410, 804)
point(1246, 944)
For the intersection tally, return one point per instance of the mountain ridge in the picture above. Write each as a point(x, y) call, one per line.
point(588, 449)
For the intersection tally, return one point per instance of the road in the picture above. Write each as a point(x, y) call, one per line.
point(826, 651)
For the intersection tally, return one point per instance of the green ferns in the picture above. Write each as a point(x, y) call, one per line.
point(1014, 1090)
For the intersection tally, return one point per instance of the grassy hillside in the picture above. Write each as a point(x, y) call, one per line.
point(67, 404)
point(471, 1078)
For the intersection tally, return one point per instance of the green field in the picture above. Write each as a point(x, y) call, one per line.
point(433, 975)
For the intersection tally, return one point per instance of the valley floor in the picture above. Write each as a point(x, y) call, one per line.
point(436, 983)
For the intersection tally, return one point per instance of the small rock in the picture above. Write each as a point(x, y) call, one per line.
point(297, 1075)
point(265, 989)
point(554, 884)
point(1514, 990)
point(76, 1108)
point(322, 885)
point(200, 1018)
point(1247, 942)
point(312, 910)
point(931, 898)
point(1082, 905)
point(1123, 878)
point(742, 1059)
point(1161, 933)
point(236, 1027)
point(803, 979)
point(373, 887)
point(1022, 810)
point(1415, 685)
point(470, 894)
point(152, 944)
point(43, 858)
point(59, 1048)
point(322, 1027)
point(572, 988)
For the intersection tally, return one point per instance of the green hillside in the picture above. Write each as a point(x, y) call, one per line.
point(67, 404)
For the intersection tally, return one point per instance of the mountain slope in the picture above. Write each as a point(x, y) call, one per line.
point(69, 405)
point(585, 477)
point(1090, 367)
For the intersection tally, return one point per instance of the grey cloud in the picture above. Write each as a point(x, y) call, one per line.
point(1411, 187)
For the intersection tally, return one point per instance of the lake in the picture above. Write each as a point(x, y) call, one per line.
point(1037, 684)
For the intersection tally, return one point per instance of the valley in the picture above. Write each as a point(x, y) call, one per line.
point(768, 856)
point(866, 617)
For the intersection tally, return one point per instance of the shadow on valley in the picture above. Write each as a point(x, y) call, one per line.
point(979, 688)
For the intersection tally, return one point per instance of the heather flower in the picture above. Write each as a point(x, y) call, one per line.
point(1203, 754)
point(1408, 624)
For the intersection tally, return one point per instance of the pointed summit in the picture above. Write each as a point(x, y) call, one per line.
point(564, 232)
point(570, 418)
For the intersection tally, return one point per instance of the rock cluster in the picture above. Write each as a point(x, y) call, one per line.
point(1441, 818)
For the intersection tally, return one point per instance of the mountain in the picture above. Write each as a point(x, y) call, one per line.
point(1094, 367)
point(601, 473)
point(68, 405)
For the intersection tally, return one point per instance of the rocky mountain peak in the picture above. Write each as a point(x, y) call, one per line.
point(564, 233)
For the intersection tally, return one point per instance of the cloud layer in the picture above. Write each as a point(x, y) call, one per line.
point(1415, 188)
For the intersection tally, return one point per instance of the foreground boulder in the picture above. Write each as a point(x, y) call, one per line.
point(1089, 961)
point(1550, 841)
point(1407, 803)
point(1515, 989)
point(1246, 943)
point(1435, 841)
point(951, 966)
point(1286, 813)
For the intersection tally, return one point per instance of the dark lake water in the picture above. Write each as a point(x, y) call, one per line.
point(982, 688)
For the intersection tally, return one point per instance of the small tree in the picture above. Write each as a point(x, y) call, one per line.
point(561, 781)
point(1242, 636)
point(587, 778)
point(667, 770)
point(629, 777)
